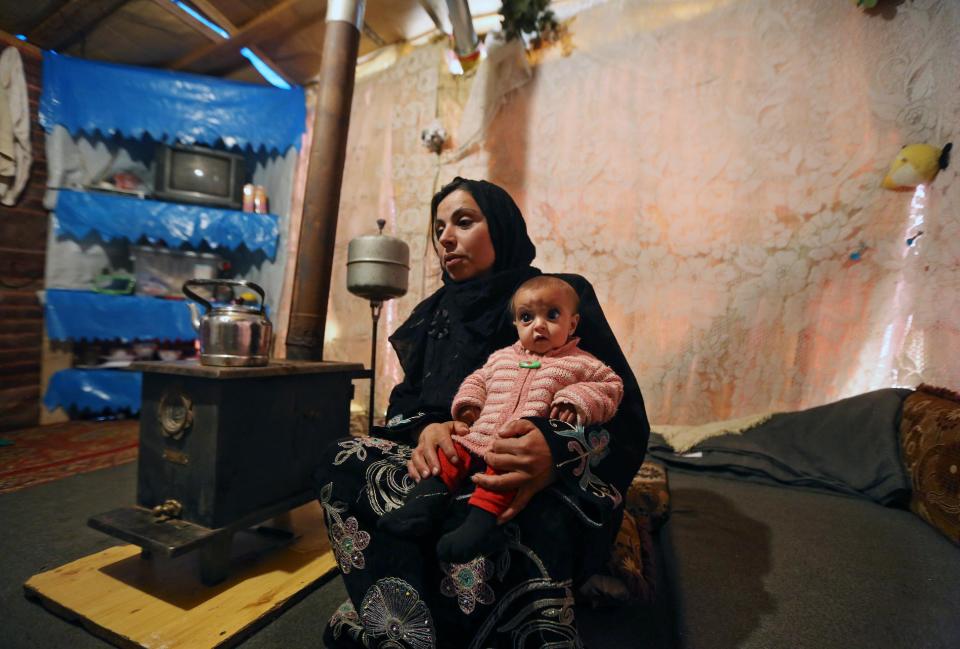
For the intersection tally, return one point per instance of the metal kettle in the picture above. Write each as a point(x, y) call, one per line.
point(231, 335)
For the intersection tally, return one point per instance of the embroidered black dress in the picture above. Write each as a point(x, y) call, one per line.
point(521, 597)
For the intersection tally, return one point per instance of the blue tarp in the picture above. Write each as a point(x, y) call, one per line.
point(113, 217)
point(111, 98)
point(85, 315)
point(94, 390)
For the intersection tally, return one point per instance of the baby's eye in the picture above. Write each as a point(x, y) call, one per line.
point(553, 314)
point(526, 317)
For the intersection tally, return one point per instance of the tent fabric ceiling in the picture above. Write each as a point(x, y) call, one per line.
point(287, 33)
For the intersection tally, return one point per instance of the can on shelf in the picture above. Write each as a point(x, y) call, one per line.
point(260, 205)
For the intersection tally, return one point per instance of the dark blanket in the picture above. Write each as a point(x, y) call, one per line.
point(849, 446)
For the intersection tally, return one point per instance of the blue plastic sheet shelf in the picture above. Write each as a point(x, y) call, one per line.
point(122, 217)
point(85, 315)
point(90, 96)
point(94, 390)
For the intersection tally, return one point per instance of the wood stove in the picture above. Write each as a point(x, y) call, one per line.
point(224, 448)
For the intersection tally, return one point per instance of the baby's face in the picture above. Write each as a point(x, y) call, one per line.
point(544, 318)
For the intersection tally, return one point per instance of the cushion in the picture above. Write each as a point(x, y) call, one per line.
point(628, 574)
point(753, 566)
point(930, 439)
point(849, 446)
point(649, 493)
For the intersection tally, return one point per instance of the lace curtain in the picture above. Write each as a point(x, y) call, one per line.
point(710, 167)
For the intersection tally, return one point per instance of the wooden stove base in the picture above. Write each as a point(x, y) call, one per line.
point(134, 602)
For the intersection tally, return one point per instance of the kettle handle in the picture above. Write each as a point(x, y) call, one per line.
point(221, 282)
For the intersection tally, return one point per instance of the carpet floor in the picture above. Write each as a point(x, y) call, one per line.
point(45, 527)
point(47, 453)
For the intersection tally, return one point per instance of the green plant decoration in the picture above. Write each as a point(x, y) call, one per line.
point(528, 17)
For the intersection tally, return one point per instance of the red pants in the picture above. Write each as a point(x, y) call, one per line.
point(452, 475)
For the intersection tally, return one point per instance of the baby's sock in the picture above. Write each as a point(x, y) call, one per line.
point(417, 516)
point(477, 535)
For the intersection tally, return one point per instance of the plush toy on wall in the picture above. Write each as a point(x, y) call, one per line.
point(916, 164)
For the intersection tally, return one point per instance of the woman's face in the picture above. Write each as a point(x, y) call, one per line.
point(463, 234)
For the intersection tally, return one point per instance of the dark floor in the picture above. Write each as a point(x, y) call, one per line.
point(45, 526)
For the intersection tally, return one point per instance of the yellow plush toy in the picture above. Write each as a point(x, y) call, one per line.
point(916, 164)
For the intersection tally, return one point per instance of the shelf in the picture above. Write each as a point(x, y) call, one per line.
point(113, 216)
point(110, 98)
point(85, 315)
point(94, 390)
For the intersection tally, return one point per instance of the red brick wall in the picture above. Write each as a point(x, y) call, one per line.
point(23, 242)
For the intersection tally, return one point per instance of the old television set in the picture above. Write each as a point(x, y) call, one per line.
point(194, 174)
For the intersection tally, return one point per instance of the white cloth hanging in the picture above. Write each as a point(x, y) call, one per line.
point(503, 70)
point(15, 155)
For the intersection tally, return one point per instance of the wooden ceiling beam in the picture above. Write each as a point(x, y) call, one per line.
point(211, 11)
point(215, 15)
point(71, 22)
point(284, 17)
point(24, 47)
point(187, 19)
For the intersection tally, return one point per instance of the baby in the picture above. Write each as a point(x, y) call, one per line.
point(544, 374)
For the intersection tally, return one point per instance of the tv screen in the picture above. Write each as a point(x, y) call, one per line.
point(194, 174)
point(202, 173)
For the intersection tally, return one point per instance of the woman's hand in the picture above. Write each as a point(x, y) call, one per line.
point(522, 460)
point(424, 462)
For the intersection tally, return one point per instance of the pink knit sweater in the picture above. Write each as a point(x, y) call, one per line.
point(504, 391)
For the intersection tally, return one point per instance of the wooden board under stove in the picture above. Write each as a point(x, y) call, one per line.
point(131, 602)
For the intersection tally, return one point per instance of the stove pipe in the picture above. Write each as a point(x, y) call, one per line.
point(321, 202)
point(465, 40)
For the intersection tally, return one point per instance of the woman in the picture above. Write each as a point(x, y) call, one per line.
point(569, 481)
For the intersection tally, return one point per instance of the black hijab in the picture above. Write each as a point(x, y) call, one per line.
point(452, 332)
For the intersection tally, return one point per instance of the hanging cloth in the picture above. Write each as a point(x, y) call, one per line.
point(15, 156)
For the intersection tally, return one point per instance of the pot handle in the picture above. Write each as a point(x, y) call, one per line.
point(221, 282)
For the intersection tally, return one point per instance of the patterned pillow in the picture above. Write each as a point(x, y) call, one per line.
point(930, 441)
point(649, 493)
point(628, 574)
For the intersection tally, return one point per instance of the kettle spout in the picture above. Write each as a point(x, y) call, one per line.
point(194, 315)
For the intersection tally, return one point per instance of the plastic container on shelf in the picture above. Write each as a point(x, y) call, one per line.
point(162, 271)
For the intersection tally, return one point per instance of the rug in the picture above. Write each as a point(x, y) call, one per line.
point(49, 453)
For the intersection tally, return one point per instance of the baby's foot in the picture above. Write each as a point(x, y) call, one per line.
point(424, 505)
point(477, 535)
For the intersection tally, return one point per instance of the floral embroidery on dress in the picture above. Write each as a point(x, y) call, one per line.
point(346, 619)
point(358, 446)
point(395, 617)
point(346, 537)
point(388, 482)
point(589, 449)
point(400, 420)
point(468, 583)
point(535, 613)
